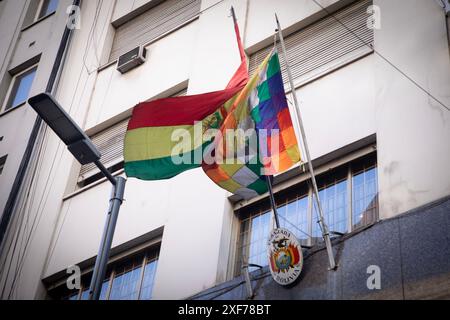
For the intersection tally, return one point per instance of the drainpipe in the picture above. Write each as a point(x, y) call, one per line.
point(447, 18)
point(12, 199)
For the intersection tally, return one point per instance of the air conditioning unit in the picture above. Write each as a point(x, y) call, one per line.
point(131, 59)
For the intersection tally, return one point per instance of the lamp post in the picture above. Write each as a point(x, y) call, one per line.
point(85, 152)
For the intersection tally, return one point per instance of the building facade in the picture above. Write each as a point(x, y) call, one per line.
point(373, 82)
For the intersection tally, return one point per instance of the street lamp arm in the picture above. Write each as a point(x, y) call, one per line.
point(106, 172)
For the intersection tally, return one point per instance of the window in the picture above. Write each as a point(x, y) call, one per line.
point(131, 279)
point(334, 200)
point(294, 216)
point(2, 163)
point(349, 199)
point(364, 194)
point(46, 7)
point(152, 24)
point(110, 144)
point(254, 232)
point(20, 88)
point(325, 45)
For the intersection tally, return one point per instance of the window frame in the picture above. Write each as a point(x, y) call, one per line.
point(10, 90)
point(296, 191)
point(146, 256)
point(38, 15)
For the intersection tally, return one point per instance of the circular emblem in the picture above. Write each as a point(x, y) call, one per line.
point(285, 256)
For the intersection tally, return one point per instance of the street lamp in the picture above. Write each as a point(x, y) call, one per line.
point(85, 152)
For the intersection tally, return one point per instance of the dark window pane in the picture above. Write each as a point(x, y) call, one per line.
point(294, 217)
point(85, 294)
point(103, 291)
point(21, 88)
point(253, 235)
point(148, 281)
point(260, 229)
point(334, 203)
point(125, 285)
point(365, 197)
point(48, 6)
point(71, 297)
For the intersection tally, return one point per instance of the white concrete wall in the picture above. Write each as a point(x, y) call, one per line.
point(339, 109)
point(413, 130)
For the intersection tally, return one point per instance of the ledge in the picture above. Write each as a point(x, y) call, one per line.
point(37, 21)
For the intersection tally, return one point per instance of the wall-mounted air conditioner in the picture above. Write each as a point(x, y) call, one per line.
point(131, 59)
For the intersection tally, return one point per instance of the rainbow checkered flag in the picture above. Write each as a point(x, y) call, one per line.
point(256, 138)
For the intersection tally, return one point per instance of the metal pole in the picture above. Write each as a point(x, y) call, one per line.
point(233, 14)
point(325, 232)
point(272, 201)
point(101, 261)
point(248, 281)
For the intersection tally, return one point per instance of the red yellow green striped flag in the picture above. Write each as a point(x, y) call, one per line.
point(167, 136)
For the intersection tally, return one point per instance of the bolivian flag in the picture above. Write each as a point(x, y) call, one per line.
point(162, 132)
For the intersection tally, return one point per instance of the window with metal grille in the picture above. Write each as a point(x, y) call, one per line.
point(349, 198)
point(110, 144)
point(153, 24)
point(324, 45)
point(129, 279)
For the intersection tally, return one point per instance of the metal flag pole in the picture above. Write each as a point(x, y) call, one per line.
point(321, 221)
point(101, 261)
point(272, 201)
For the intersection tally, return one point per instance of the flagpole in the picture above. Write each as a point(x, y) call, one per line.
point(272, 201)
point(233, 14)
point(238, 36)
point(325, 231)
